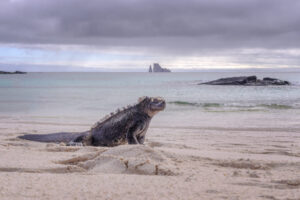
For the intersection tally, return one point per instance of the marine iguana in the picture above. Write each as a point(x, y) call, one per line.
point(125, 126)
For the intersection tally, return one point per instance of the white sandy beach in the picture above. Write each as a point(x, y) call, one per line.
point(240, 161)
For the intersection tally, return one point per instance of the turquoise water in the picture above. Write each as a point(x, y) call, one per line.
point(87, 96)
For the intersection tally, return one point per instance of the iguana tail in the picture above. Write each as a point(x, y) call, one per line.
point(65, 137)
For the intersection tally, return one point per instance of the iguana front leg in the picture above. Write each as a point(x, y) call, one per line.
point(131, 135)
point(132, 139)
point(136, 134)
point(142, 134)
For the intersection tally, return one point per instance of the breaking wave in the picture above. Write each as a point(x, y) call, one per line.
point(276, 106)
point(234, 106)
point(186, 103)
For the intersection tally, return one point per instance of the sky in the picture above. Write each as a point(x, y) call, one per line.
point(120, 35)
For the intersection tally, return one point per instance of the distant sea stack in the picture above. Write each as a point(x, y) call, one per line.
point(150, 69)
point(16, 72)
point(158, 68)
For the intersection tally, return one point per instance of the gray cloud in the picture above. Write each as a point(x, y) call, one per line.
point(183, 25)
point(177, 33)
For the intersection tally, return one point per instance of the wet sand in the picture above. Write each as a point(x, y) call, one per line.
point(176, 162)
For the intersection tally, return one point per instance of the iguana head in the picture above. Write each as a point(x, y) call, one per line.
point(151, 105)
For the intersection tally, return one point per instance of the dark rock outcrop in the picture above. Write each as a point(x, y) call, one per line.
point(16, 72)
point(158, 68)
point(274, 81)
point(247, 81)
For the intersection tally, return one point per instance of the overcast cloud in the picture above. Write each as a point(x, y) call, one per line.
point(181, 28)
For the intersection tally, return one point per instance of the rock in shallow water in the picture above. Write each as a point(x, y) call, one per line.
point(16, 72)
point(247, 81)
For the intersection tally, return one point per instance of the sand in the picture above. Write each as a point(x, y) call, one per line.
point(175, 163)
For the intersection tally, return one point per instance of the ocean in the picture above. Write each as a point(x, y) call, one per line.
point(84, 98)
